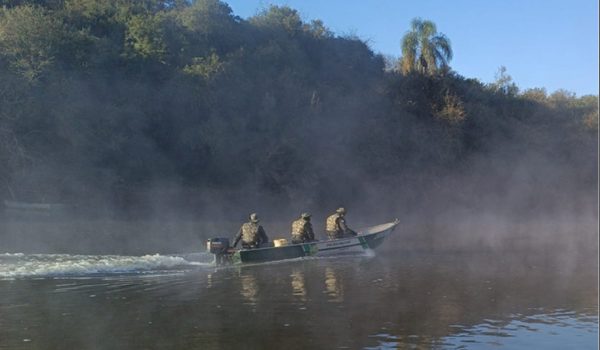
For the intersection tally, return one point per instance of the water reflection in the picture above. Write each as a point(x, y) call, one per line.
point(526, 332)
point(389, 302)
point(249, 288)
point(209, 280)
point(333, 286)
point(298, 285)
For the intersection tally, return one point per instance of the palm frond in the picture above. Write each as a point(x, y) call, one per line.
point(442, 43)
point(428, 29)
point(409, 43)
point(440, 58)
point(416, 24)
point(409, 51)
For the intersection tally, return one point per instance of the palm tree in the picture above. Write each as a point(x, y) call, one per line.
point(424, 49)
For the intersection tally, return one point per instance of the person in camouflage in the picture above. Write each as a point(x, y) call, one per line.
point(251, 233)
point(302, 230)
point(336, 225)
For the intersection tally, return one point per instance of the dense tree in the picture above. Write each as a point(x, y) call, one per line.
point(279, 18)
point(30, 39)
point(112, 100)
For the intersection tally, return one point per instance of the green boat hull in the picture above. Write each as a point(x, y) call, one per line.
point(370, 239)
point(275, 254)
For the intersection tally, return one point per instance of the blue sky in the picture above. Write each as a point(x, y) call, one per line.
point(542, 43)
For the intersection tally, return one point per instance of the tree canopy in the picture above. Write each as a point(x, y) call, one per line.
point(117, 101)
point(425, 50)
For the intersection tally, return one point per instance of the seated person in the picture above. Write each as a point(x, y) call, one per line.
point(251, 233)
point(336, 225)
point(302, 230)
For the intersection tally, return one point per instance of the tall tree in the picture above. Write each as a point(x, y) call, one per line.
point(424, 49)
point(30, 39)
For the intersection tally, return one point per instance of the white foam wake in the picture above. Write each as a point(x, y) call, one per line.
point(48, 265)
point(9, 255)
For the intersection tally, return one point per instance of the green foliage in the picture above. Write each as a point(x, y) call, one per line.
point(207, 17)
point(318, 29)
point(535, 94)
point(590, 120)
point(424, 50)
point(205, 67)
point(145, 37)
point(209, 25)
point(108, 98)
point(504, 84)
point(279, 18)
point(452, 109)
point(30, 39)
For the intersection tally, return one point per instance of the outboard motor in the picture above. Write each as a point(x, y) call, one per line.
point(220, 248)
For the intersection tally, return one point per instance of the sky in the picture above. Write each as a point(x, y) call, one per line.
point(542, 43)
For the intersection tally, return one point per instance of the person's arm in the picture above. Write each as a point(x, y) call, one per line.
point(342, 224)
point(237, 238)
point(345, 228)
point(309, 231)
point(263, 235)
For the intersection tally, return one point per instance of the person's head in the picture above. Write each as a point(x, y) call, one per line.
point(341, 211)
point(305, 216)
point(254, 217)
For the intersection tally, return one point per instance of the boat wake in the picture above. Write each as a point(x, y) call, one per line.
point(19, 265)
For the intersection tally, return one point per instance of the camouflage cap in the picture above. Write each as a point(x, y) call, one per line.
point(254, 217)
point(341, 210)
point(305, 215)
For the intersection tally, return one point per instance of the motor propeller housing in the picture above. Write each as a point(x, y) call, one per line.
point(220, 248)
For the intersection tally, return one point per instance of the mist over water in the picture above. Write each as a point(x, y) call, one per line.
point(475, 263)
point(453, 275)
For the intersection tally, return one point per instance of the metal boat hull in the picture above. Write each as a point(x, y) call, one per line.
point(369, 238)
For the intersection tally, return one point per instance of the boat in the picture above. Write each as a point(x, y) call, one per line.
point(366, 239)
point(31, 210)
point(27, 206)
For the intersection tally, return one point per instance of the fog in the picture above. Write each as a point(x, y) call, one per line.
point(516, 210)
point(156, 148)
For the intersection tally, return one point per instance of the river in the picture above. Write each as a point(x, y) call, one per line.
point(389, 299)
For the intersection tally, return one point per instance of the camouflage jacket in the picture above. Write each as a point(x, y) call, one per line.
point(251, 233)
point(336, 227)
point(302, 230)
point(335, 223)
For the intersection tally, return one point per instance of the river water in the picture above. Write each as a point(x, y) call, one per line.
point(390, 299)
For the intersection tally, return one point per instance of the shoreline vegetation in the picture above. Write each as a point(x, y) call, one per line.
point(132, 109)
